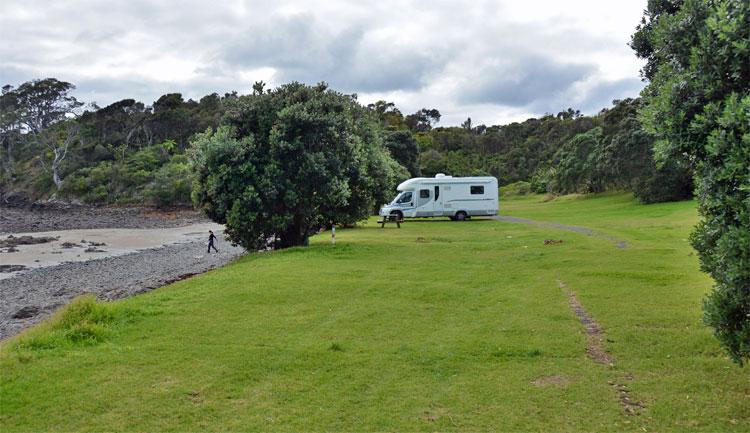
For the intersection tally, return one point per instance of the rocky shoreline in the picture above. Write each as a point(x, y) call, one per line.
point(32, 295)
point(41, 219)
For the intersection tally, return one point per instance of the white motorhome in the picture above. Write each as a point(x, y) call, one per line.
point(456, 197)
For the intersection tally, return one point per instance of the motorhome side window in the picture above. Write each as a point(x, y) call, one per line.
point(437, 192)
point(424, 193)
point(477, 189)
point(406, 198)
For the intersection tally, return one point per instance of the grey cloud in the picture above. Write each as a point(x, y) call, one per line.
point(529, 81)
point(12, 75)
point(602, 94)
point(302, 48)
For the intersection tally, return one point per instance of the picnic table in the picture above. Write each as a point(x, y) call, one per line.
point(390, 219)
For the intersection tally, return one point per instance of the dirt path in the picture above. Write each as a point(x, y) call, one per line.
point(619, 243)
point(597, 352)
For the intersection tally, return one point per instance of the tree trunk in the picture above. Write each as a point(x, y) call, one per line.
point(56, 170)
point(294, 236)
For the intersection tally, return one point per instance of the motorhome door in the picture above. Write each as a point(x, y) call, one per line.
point(425, 203)
point(437, 200)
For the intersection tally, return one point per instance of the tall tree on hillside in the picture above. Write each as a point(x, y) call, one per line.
point(10, 131)
point(58, 139)
point(404, 149)
point(121, 124)
point(45, 108)
point(423, 120)
point(43, 103)
point(389, 115)
point(698, 104)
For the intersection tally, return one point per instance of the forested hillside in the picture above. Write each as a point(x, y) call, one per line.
point(132, 153)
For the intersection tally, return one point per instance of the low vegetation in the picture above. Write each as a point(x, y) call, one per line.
point(434, 326)
point(83, 322)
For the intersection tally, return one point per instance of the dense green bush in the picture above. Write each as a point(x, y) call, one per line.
point(403, 148)
point(290, 161)
point(540, 181)
point(148, 174)
point(172, 184)
point(669, 182)
point(516, 188)
point(579, 165)
point(698, 104)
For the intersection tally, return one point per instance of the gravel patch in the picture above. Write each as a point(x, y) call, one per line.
point(26, 220)
point(32, 296)
point(619, 243)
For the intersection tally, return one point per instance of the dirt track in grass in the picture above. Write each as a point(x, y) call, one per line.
point(596, 351)
point(619, 243)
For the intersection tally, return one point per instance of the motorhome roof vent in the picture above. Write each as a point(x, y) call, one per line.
point(441, 175)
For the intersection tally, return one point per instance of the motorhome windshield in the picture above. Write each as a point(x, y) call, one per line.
point(404, 197)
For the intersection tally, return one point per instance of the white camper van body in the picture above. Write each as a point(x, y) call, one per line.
point(441, 196)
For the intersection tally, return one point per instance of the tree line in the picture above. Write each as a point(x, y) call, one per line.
point(128, 152)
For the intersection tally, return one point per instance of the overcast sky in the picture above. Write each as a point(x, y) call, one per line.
point(496, 61)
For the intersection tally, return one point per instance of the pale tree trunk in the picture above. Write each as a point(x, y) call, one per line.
point(59, 157)
point(59, 148)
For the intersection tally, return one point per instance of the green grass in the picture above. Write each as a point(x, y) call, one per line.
point(436, 326)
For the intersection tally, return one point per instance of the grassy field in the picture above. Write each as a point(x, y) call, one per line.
point(436, 326)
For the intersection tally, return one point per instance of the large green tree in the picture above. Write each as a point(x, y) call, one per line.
point(698, 104)
point(290, 161)
point(43, 109)
point(404, 149)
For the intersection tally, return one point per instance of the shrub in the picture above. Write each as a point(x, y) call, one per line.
point(540, 181)
point(671, 182)
point(516, 188)
point(171, 185)
point(698, 104)
point(84, 321)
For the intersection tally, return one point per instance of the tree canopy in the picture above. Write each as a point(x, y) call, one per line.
point(698, 104)
point(290, 161)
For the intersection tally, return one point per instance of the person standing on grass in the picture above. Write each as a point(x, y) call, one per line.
point(211, 239)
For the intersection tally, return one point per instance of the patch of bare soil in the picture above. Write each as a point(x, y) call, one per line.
point(596, 351)
point(631, 407)
point(435, 412)
point(551, 381)
point(594, 334)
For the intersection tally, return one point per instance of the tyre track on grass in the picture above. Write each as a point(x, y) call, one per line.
point(619, 243)
point(597, 353)
point(594, 332)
